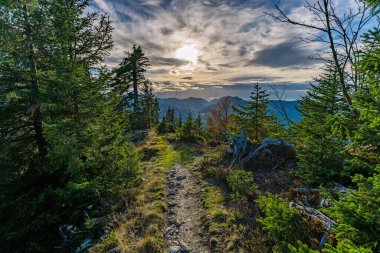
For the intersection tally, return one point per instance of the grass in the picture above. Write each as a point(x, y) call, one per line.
point(232, 229)
point(143, 230)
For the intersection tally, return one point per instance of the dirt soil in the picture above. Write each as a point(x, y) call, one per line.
point(186, 216)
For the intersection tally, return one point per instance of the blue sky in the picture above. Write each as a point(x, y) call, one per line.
point(212, 48)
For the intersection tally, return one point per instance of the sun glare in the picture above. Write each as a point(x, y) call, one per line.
point(188, 52)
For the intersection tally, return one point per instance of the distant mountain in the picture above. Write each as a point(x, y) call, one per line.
point(202, 106)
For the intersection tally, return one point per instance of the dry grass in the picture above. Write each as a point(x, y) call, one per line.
point(143, 230)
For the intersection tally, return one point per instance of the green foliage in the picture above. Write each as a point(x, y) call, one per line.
point(358, 214)
point(149, 107)
point(346, 246)
point(130, 75)
point(300, 247)
point(321, 157)
point(321, 161)
point(191, 129)
point(253, 115)
point(241, 183)
point(168, 123)
point(365, 146)
point(63, 156)
point(283, 224)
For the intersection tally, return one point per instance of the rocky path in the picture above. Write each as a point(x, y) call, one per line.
point(186, 216)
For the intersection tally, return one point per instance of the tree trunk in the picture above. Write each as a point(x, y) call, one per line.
point(335, 55)
point(135, 87)
point(35, 105)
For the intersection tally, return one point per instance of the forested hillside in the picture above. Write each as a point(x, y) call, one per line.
point(89, 162)
point(282, 109)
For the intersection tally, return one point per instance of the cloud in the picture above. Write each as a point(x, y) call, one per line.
point(286, 54)
point(158, 71)
point(252, 78)
point(166, 31)
point(236, 41)
point(162, 61)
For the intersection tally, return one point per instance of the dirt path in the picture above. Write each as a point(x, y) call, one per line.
point(186, 216)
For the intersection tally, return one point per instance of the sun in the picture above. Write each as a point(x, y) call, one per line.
point(188, 52)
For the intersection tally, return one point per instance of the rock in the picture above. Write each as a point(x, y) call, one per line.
point(171, 212)
point(172, 204)
point(169, 230)
point(180, 178)
point(184, 247)
point(175, 249)
point(171, 192)
point(173, 221)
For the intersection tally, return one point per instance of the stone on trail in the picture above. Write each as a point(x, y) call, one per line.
point(184, 247)
point(175, 249)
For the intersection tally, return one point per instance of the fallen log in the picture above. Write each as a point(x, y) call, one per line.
point(312, 213)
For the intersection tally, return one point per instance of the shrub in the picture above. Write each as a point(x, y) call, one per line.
point(357, 213)
point(241, 183)
point(283, 224)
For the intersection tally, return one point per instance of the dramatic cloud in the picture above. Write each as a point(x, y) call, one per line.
point(286, 54)
point(231, 41)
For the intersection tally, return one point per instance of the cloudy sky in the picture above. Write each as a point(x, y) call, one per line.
point(212, 48)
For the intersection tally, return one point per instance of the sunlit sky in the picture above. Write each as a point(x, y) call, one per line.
point(213, 48)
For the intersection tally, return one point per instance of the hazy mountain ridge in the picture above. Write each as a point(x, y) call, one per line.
point(202, 106)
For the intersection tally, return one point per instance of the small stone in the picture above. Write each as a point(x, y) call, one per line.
point(184, 248)
point(169, 230)
point(171, 212)
point(172, 204)
point(175, 249)
point(179, 178)
point(171, 192)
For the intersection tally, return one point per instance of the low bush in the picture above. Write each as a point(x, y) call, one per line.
point(241, 183)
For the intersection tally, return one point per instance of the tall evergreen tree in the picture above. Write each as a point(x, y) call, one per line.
point(131, 74)
point(321, 159)
point(149, 106)
point(60, 137)
point(253, 115)
point(22, 58)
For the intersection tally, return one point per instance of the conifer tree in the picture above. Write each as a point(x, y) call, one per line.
point(253, 115)
point(131, 74)
point(188, 129)
point(149, 107)
point(321, 159)
point(22, 99)
point(179, 121)
point(365, 146)
point(63, 152)
point(170, 117)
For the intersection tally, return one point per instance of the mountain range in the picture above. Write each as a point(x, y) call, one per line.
point(199, 105)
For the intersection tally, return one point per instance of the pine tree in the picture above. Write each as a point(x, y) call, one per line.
point(131, 73)
point(171, 119)
point(63, 152)
point(188, 130)
point(253, 115)
point(320, 152)
point(22, 67)
point(179, 121)
point(365, 139)
point(199, 125)
point(149, 107)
